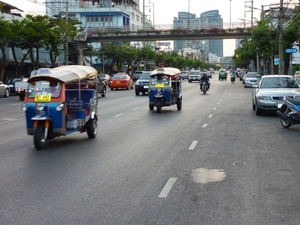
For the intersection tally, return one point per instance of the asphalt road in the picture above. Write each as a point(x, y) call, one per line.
point(212, 163)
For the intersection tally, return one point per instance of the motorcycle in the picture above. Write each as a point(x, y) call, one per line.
point(204, 87)
point(289, 112)
point(232, 79)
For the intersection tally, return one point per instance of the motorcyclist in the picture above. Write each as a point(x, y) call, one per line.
point(204, 78)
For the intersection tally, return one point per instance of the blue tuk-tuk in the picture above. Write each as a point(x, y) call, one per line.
point(165, 88)
point(61, 101)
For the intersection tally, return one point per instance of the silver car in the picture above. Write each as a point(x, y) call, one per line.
point(269, 92)
point(251, 78)
point(4, 89)
point(194, 76)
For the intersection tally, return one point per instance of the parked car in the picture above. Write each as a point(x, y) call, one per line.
point(105, 77)
point(249, 73)
point(241, 74)
point(121, 80)
point(297, 73)
point(270, 90)
point(4, 90)
point(101, 86)
point(136, 75)
point(194, 76)
point(184, 75)
point(142, 84)
point(297, 78)
point(251, 79)
point(11, 84)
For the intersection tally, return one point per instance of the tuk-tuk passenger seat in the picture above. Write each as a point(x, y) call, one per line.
point(72, 98)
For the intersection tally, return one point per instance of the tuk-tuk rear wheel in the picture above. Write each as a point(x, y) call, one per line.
point(179, 104)
point(92, 128)
point(38, 137)
point(21, 96)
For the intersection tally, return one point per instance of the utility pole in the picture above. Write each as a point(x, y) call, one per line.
point(280, 28)
point(66, 37)
point(251, 13)
point(143, 14)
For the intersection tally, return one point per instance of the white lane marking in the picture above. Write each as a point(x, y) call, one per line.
point(118, 115)
point(135, 108)
point(218, 103)
point(204, 125)
point(9, 119)
point(193, 145)
point(214, 108)
point(220, 99)
point(210, 115)
point(165, 191)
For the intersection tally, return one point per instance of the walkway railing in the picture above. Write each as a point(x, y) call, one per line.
point(159, 32)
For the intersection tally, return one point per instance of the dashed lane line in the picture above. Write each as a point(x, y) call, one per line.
point(210, 115)
point(165, 191)
point(118, 115)
point(204, 125)
point(193, 145)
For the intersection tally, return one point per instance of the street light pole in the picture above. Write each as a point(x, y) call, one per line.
point(280, 27)
point(143, 14)
point(230, 13)
point(153, 14)
point(189, 15)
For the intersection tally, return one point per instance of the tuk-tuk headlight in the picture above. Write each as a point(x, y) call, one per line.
point(59, 107)
point(40, 106)
point(24, 107)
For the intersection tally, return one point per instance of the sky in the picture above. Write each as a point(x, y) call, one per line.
point(166, 10)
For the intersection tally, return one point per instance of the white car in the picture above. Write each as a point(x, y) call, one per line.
point(269, 92)
point(4, 90)
point(251, 78)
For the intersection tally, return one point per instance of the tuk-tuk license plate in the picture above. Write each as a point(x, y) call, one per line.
point(159, 85)
point(42, 98)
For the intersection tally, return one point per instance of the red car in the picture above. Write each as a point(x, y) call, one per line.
point(121, 80)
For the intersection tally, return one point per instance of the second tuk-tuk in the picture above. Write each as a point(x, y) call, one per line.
point(165, 88)
point(222, 75)
point(61, 101)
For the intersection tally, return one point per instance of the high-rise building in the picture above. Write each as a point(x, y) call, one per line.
point(211, 19)
point(187, 21)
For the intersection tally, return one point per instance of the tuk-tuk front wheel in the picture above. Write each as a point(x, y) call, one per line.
point(92, 128)
point(39, 137)
point(158, 106)
point(151, 106)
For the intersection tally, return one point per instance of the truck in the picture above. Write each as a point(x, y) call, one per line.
point(21, 86)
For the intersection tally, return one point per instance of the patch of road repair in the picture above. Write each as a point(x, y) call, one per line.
point(204, 176)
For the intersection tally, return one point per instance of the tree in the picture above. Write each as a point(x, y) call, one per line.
point(5, 35)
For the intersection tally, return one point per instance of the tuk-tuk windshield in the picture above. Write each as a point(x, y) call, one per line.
point(44, 87)
point(160, 80)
